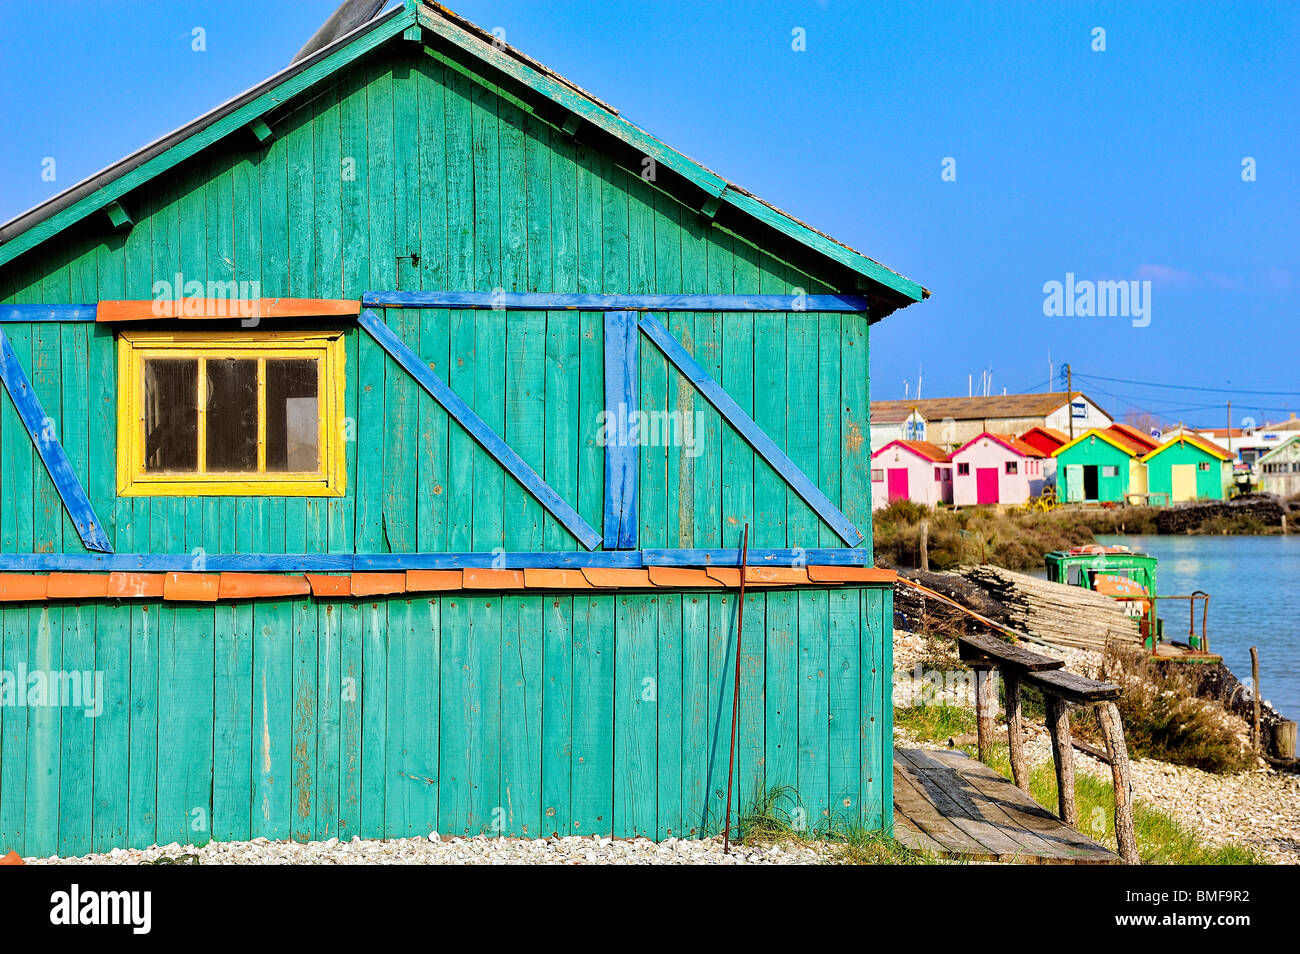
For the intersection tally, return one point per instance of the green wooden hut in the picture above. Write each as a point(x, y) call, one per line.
point(1189, 467)
point(380, 447)
point(1099, 466)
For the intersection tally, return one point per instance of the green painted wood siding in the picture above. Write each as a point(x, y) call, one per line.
point(412, 172)
point(524, 715)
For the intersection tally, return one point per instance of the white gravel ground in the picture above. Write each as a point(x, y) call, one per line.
point(466, 851)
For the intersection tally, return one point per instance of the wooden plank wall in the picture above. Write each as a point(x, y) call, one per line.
point(411, 173)
point(578, 714)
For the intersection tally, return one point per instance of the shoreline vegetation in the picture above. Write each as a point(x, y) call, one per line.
point(1017, 540)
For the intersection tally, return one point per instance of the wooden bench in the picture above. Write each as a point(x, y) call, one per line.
point(1061, 690)
point(985, 652)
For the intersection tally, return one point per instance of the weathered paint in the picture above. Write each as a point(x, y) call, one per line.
point(576, 712)
point(526, 715)
point(272, 213)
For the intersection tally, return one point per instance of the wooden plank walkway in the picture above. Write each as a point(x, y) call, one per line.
point(951, 805)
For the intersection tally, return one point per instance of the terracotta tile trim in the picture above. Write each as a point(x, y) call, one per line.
point(211, 587)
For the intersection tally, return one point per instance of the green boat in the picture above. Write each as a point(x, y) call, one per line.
point(1093, 565)
point(1130, 578)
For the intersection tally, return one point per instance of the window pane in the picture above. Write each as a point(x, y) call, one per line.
point(232, 415)
point(292, 415)
point(171, 415)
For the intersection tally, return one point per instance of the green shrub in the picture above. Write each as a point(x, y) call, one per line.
point(1164, 718)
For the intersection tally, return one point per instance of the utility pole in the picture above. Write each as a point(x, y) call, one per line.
point(1069, 397)
point(1229, 428)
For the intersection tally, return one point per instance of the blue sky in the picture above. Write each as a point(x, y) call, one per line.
point(1122, 164)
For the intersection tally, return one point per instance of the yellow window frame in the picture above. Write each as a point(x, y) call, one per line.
point(134, 347)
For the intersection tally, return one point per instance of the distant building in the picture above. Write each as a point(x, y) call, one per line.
point(896, 424)
point(910, 470)
point(1246, 444)
point(1279, 469)
point(952, 422)
point(1101, 465)
point(996, 469)
point(1189, 467)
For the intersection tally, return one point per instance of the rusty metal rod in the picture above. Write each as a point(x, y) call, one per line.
point(735, 695)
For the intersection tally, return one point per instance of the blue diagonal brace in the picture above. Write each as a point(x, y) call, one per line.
point(735, 415)
point(479, 429)
point(47, 445)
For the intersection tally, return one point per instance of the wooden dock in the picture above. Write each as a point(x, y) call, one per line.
point(950, 805)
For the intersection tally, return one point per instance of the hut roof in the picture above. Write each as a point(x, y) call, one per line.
point(1116, 439)
point(1211, 448)
point(1057, 437)
point(1134, 436)
point(1009, 441)
point(736, 207)
point(1273, 451)
point(923, 449)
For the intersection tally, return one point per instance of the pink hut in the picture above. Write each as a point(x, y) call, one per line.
point(997, 469)
point(910, 470)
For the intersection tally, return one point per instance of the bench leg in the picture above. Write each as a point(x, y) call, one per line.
point(1058, 724)
point(986, 707)
point(1016, 732)
point(1125, 834)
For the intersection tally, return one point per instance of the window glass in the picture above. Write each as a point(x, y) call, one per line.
point(171, 415)
point(1012, 467)
point(232, 415)
point(292, 415)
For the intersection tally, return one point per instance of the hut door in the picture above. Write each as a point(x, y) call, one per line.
point(986, 485)
point(897, 485)
point(1183, 477)
point(1073, 483)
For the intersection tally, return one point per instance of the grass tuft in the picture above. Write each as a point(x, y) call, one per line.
point(771, 817)
point(934, 723)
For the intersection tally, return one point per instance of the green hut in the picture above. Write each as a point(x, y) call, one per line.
point(387, 439)
point(1189, 467)
point(1099, 466)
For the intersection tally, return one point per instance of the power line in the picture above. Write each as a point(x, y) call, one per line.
point(1186, 387)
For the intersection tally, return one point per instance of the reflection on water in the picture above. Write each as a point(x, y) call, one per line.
point(1254, 587)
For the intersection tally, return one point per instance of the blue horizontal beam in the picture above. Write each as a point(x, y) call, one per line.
point(735, 415)
point(47, 313)
point(557, 560)
point(535, 301)
point(785, 557)
point(479, 429)
point(397, 562)
point(56, 461)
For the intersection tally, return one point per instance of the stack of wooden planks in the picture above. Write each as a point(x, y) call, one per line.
point(1056, 613)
